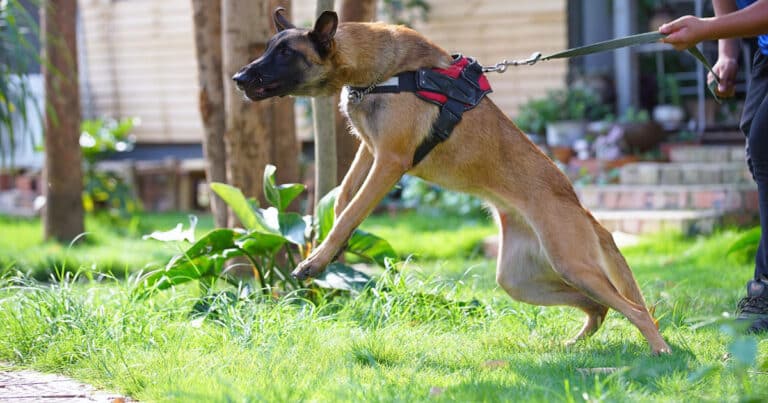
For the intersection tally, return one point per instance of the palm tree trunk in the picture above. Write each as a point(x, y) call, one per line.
point(325, 133)
point(207, 22)
point(262, 132)
point(63, 177)
point(346, 143)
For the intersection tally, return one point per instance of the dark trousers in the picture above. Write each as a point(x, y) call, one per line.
point(754, 124)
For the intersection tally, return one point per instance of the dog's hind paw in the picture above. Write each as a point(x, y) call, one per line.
point(665, 350)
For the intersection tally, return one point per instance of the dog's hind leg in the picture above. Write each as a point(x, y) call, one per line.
point(526, 275)
point(574, 250)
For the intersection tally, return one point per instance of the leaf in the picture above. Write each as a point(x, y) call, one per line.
point(325, 214)
point(213, 242)
point(288, 193)
point(744, 350)
point(238, 203)
point(279, 196)
point(338, 276)
point(260, 244)
point(203, 259)
point(371, 247)
point(748, 240)
point(293, 228)
point(270, 219)
point(270, 189)
point(176, 234)
point(246, 210)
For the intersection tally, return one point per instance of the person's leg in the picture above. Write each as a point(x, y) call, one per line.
point(755, 125)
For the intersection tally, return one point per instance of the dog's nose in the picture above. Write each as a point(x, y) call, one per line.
point(239, 79)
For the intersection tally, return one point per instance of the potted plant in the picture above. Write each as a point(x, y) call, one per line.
point(562, 115)
point(669, 112)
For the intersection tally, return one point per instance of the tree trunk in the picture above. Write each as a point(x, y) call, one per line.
point(63, 176)
point(346, 143)
point(325, 133)
point(262, 132)
point(207, 22)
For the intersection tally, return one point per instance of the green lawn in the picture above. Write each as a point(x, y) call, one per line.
point(106, 248)
point(440, 330)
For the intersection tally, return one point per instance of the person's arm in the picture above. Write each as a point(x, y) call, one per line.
point(727, 65)
point(727, 47)
point(685, 32)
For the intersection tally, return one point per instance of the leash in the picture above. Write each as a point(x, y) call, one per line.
point(632, 40)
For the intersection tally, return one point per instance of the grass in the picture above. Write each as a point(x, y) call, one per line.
point(106, 248)
point(439, 330)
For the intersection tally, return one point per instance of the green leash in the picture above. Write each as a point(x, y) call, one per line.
point(632, 40)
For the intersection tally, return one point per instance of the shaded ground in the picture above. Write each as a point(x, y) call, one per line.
point(31, 386)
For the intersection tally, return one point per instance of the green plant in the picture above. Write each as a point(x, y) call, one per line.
point(669, 90)
point(632, 115)
point(273, 240)
point(405, 12)
point(745, 247)
point(18, 55)
point(106, 190)
point(557, 105)
point(433, 200)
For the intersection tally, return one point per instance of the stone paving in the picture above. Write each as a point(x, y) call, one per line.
point(30, 386)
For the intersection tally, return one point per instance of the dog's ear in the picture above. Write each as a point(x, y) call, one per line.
point(281, 22)
point(324, 30)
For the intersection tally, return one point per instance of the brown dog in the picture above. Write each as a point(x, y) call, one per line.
point(553, 252)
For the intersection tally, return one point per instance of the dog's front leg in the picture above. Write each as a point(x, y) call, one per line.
point(354, 178)
point(384, 174)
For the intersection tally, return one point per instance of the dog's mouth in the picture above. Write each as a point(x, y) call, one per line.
point(259, 92)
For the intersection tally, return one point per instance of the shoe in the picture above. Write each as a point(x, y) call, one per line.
point(754, 307)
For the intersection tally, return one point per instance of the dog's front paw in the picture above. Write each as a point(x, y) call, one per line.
point(307, 269)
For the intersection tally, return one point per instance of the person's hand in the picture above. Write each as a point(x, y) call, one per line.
point(684, 32)
point(726, 68)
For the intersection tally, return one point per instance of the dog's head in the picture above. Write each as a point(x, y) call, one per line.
point(295, 61)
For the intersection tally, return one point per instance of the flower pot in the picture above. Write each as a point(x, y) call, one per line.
point(564, 133)
point(641, 136)
point(562, 153)
point(668, 116)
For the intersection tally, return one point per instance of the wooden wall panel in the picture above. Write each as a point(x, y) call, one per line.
point(140, 59)
point(140, 55)
point(493, 30)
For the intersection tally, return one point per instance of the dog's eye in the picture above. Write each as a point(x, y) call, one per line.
point(284, 51)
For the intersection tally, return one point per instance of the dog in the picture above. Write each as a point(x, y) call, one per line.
point(552, 250)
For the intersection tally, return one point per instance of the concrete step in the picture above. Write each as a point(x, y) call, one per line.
point(684, 173)
point(719, 197)
point(706, 153)
point(687, 222)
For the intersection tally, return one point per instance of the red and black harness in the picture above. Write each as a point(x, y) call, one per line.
point(454, 90)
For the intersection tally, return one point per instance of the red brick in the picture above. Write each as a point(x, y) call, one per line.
point(631, 200)
point(609, 199)
point(708, 199)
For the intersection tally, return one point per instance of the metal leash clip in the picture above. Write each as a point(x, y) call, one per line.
point(502, 66)
point(355, 96)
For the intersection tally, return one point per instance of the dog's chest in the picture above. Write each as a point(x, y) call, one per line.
point(365, 116)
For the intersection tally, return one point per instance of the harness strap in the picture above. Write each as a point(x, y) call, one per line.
point(455, 90)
